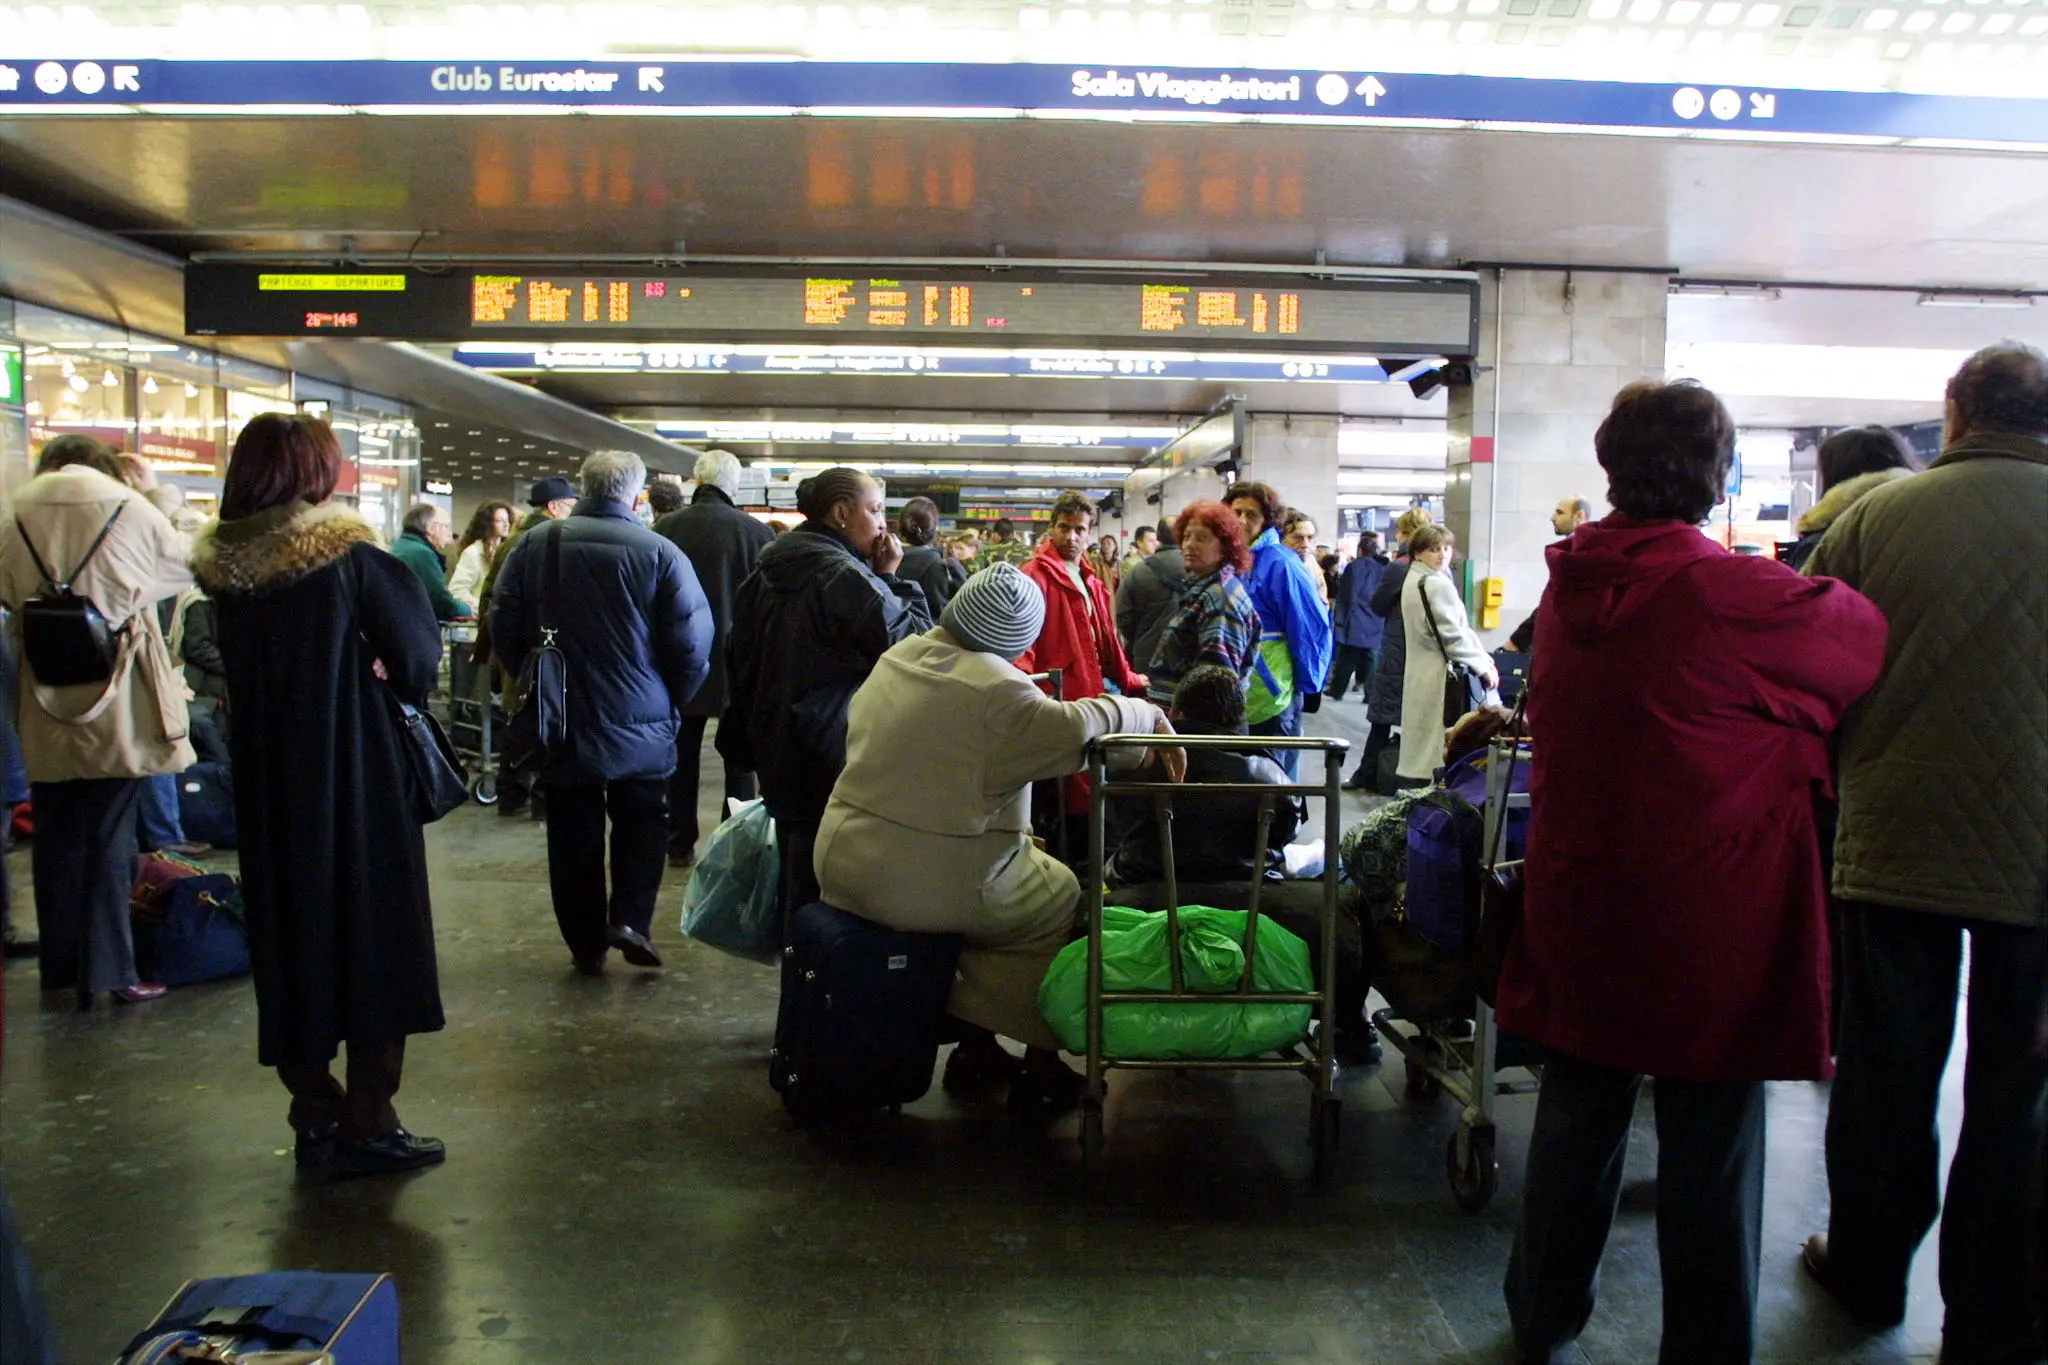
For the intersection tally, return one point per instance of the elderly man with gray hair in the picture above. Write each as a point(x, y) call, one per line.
point(721, 543)
point(626, 611)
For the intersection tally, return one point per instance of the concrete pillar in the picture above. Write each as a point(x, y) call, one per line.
point(1298, 456)
point(1521, 436)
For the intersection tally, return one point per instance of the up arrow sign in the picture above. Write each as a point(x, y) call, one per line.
point(1371, 88)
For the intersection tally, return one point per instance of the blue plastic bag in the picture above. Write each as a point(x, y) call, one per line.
point(731, 902)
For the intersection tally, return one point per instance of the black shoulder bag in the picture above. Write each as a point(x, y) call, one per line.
point(542, 723)
point(65, 637)
point(1464, 690)
point(438, 786)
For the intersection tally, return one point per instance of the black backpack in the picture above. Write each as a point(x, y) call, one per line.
point(64, 635)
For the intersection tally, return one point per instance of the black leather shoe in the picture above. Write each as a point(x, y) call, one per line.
point(1357, 784)
point(590, 966)
point(23, 947)
point(1042, 1096)
point(974, 1067)
point(396, 1151)
point(1359, 1047)
point(314, 1147)
point(1866, 1309)
point(634, 947)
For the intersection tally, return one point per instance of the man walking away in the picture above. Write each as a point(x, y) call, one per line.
point(1146, 599)
point(1357, 629)
point(721, 542)
point(427, 533)
point(552, 499)
point(1944, 835)
point(635, 633)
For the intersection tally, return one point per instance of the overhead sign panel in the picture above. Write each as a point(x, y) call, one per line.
point(659, 358)
point(993, 88)
point(998, 308)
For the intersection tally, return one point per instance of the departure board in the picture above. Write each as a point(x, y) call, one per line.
point(1393, 317)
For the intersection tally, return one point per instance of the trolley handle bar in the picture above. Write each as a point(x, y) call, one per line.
point(1224, 742)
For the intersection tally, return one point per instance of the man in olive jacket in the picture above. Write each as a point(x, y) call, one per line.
point(1944, 833)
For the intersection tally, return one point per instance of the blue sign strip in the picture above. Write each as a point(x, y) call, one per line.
point(706, 360)
point(911, 87)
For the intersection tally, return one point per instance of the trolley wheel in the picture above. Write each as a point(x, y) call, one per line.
point(1325, 1130)
point(1091, 1133)
point(484, 787)
point(1476, 1178)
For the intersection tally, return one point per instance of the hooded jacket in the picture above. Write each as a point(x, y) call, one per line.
point(634, 627)
point(1390, 676)
point(1352, 619)
point(807, 628)
point(136, 724)
point(1295, 643)
point(1680, 710)
point(1944, 766)
point(1815, 520)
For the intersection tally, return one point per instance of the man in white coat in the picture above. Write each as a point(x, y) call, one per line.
point(929, 825)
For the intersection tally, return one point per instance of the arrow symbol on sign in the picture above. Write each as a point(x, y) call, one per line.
point(1763, 106)
point(1371, 88)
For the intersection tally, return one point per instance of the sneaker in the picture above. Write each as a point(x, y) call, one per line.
point(139, 992)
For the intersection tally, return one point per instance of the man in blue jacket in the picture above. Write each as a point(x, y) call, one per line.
point(1357, 627)
point(635, 631)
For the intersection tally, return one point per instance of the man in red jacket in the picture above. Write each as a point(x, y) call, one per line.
point(1079, 637)
point(1675, 921)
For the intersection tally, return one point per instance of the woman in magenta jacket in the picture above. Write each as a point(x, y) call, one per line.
point(1675, 922)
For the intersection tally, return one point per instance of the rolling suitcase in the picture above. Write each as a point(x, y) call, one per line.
point(863, 1010)
point(353, 1319)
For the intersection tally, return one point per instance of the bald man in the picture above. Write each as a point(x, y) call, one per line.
point(1565, 518)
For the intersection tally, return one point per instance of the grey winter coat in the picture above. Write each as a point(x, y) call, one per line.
point(1145, 602)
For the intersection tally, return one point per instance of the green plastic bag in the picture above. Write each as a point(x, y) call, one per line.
point(1212, 960)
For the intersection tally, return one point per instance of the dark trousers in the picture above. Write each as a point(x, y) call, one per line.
point(795, 842)
point(638, 810)
point(84, 861)
point(684, 784)
point(1900, 972)
point(1376, 741)
point(1288, 725)
point(1710, 1202)
point(361, 1109)
point(1352, 661)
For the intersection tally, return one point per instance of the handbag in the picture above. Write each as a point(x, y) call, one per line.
point(439, 784)
point(1500, 886)
point(1464, 689)
point(65, 637)
point(541, 725)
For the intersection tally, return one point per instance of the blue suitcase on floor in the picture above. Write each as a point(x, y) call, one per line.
point(206, 804)
point(354, 1318)
point(863, 1011)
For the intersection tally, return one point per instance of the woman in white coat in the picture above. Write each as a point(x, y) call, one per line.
point(1433, 612)
point(929, 825)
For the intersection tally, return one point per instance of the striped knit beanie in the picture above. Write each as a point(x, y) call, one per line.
point(998, 611)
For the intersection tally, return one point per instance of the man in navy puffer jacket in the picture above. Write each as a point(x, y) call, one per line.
point(635, 629)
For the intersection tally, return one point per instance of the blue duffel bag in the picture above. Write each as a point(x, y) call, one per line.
point(354, 1318)
point(206, 804)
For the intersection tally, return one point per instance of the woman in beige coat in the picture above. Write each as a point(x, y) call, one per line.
point(88, 747)
point(1439, 635)
point(929, 826)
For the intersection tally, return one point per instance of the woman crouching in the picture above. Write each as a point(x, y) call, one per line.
point(929, 826)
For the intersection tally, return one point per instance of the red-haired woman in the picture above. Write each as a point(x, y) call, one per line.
point(316, 623)
point(1215, 622)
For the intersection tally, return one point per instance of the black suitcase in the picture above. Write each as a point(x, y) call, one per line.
point(863, 1010)
point(206, 804)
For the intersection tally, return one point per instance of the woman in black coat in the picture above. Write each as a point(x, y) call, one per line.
point(925, 562)
point(320, 629)
point(824, 604)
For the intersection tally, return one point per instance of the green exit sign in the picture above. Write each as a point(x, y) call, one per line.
point(10, 376)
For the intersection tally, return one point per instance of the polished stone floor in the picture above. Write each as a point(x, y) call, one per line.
point(622, 1186)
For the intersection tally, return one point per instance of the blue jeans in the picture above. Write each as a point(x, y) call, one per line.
point(1899, 977)
point(157, 823)
point(1287, 724)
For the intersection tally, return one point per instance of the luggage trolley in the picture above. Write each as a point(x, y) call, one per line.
point(472, 707)
point(1442, 1058)
point(1320, 1066)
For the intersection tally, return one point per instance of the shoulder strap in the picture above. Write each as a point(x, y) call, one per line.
point(551, 580)
point(1429, 614)
point(92, 550)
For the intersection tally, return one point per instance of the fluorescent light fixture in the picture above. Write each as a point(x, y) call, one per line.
point(1768, 369)
point(1727, 291)
point(1417, 481)
point(1946, 299)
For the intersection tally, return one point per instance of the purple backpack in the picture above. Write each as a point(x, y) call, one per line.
point(1445, 832)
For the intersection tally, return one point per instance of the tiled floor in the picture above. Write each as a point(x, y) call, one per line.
point(622, 1186)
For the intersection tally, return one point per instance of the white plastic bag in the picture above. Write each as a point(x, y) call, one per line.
point(731, 901)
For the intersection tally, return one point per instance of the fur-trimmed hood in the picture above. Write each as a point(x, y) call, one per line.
point(275, 546)
point(1843, 496)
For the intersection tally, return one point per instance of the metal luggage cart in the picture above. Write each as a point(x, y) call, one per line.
point(1445, 1056)
point(472, 709)
point(1054, 681)
point(1320, 1065)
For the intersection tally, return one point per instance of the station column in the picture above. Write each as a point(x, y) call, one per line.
point(1559, 344)
point(1298, 456)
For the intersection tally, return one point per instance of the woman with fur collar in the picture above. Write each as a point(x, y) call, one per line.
point(320, 629)
point(1852, 463)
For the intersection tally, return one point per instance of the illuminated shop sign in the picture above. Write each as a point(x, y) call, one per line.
point(1398, 316)
point(998, 89)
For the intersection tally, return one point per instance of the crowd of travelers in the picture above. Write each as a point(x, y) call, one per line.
point(1771, 807)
